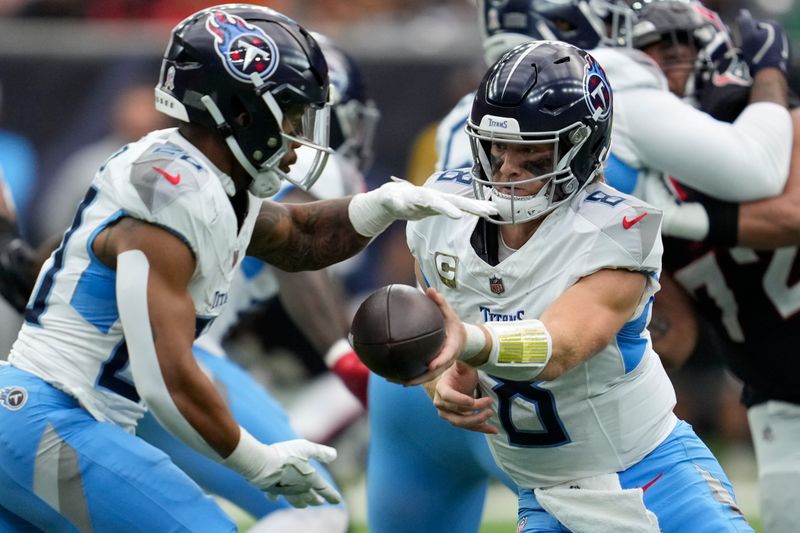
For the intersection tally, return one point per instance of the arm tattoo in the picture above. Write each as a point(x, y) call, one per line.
point(305, 236)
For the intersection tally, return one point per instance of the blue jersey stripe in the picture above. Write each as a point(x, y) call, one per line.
point(620, 175)
point(630, 340)
point(34, 312)
point(95, 295)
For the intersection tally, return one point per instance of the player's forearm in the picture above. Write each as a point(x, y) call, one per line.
point(769, 85)
point(673, 325)
point(739, 162)
point(775, 222)
point(768, 228)
point(306, 236)
point(199, 402)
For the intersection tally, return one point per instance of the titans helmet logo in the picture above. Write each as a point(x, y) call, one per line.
point(597, 91)
point(244, 48)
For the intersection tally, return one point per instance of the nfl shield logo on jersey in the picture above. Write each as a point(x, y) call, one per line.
point(496, 285)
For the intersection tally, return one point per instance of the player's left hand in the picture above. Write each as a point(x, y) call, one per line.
point(456, 402)
point(764, 43)
point(373, 211)
point(17, 277)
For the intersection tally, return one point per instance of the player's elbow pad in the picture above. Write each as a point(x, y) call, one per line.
point(520, 349)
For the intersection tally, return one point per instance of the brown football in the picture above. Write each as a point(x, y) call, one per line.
point(397, 331)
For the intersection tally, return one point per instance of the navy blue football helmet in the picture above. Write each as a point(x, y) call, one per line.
point(689, 22)
point(543, 93)
point(354, 116)
point(242, 69)
point(584, 23)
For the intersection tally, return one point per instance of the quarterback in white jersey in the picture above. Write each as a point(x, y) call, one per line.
point(145, 266)
point(622, 392)
point(560, 372)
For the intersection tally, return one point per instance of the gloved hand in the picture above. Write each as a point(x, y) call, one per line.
point(373, 211)
point(283, 469)
point(764, 43)
point(684, 220)
point(17, 277)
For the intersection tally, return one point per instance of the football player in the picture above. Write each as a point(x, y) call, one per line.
point(762, 154)
point(146, 266)
point(309, 298)
point(562, 376)
point(746, 291)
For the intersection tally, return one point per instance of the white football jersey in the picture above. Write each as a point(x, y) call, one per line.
point(72, 336)
point(603, 415)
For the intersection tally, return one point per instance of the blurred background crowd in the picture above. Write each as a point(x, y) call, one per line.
point(76, 82)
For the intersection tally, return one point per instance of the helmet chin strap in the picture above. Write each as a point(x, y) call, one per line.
point(265, 183)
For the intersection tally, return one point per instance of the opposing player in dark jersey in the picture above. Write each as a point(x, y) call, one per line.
point(750, 292)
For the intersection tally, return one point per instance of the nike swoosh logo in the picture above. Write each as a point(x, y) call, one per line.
point(176, 179)
point(628, 224)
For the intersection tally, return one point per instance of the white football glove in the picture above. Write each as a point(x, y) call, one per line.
point(684, 220)
point(373, 211)
point(283, 469)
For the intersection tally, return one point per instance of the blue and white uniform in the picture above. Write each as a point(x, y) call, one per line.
point(610, 418)
point(70, 364)
point(77, 465)
point(251, 405)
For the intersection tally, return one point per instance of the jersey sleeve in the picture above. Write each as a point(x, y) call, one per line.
point(626, 234)
point(165, 190)
point(743, 161)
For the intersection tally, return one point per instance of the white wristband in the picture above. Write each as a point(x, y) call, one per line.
point(337, 350)
point(520, 349)
point(367, 215)
point(475, 343)
point(248, 456)
point(688, 220)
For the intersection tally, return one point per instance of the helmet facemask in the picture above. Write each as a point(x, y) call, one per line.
point(560, 181)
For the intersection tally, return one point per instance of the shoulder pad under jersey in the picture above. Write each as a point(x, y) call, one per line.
point(630, 223)
point(164, 173)
point(452, 142)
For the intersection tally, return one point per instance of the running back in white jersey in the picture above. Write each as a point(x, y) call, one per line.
point(72, 336)
point(603, 415)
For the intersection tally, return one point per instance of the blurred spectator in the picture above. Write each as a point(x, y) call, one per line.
point(133, 115)
point(18, 161)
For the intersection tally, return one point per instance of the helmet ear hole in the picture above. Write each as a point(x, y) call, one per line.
point(241, 117)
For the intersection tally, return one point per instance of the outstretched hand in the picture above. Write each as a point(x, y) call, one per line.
point(372, 212)
point(284, 469)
